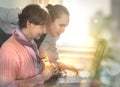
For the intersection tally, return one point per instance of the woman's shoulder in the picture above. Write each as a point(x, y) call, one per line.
point(11, 43)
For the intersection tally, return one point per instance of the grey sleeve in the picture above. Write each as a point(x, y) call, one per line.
point(53, 52)
point(9, 15)
point(50, 48)
point(7, 27)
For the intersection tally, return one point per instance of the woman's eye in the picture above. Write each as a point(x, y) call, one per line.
point(62, 25)
point(43, 26)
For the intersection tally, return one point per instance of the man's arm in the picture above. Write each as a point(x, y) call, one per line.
point(9, 15)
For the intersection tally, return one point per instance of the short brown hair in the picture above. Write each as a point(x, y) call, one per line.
point(34, 14)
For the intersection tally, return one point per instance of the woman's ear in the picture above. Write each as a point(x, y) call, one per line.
point(28, 24)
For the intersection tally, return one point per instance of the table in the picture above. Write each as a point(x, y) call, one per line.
point(74, 81)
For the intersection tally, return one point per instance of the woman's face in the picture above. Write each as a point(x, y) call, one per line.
point(37, 30)
point(59, 25)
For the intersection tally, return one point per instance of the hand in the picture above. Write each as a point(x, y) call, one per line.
point(31, 82)
point(63, 66)
point(47, 72)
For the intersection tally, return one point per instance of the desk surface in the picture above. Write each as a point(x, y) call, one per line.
point(65, 82)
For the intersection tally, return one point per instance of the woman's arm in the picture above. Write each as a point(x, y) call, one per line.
point(48, 48)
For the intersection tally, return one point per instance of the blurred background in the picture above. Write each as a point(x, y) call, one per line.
point(91, 41)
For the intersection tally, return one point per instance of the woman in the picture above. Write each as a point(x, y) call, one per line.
point(59, 21)
point(20, 65)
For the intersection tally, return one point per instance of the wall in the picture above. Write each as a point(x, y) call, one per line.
point(80, 13)
point(14, 3)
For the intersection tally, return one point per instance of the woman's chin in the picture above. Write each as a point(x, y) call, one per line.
point(57, 35)
point(38, 37)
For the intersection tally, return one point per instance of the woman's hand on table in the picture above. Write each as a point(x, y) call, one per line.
point(48, 72)
point(63, 66)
